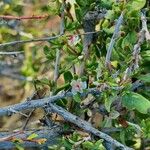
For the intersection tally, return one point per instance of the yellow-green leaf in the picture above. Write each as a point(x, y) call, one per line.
point(135, 4)
point(32, 136)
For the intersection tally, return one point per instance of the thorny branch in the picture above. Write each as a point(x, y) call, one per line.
point(137, 47)
point(144, 26)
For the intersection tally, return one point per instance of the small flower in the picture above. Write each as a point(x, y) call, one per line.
point(78, 86)
point(73, 40)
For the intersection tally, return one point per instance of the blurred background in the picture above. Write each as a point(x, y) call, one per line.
point(18, 71)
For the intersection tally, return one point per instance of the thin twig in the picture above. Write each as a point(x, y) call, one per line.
point(29, 41)
point(62, 29)
point(44, 39)
point(7, 17)
point(17, 112)
point(11, 53)
point(53, 37)
point(27, 120)
point(56, 71)
point(113, 39)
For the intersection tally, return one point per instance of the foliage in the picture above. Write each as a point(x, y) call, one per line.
point(118, 98)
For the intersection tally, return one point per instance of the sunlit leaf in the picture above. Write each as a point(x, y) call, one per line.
point(135, 4)
point(77, 98)
point(32, 136)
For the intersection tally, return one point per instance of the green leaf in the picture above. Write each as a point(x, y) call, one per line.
point(68, 76)
point(19, 146)
point(79, 13)
point(135, 4)
point(136, 101)
point(45, 81)
point(110, 14)
point(32, 136)
point(98, 144)
point(145, 78)
point(77, 98)
point(63, 87)
point(129, 40)
point(122, 136)
point(46, 50)
point(81, 3)
point(108, 101)
point(87, 145)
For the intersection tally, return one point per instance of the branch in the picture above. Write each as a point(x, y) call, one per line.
point(14, 76)
point(43, 39)
point(50, 134)
point(27, 105)
point(144, 26)
point(113, 39)
point(85, 125)
point(89, 23)
point(32, 40)
point(136, 51)
point(62, 29)
point(7, 17)
point(56, 71)
point(11, 53)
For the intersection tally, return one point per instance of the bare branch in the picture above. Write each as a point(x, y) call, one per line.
point(43, 39)
point(22, 17)
point(17, 112)
point(85, 125)
point(113, 39)
point(56, 71)
point(41, 102)
point(29, 41)
point(11, 53)
point(62, 29)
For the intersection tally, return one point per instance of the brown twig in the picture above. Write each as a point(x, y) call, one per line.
point(7, 17)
